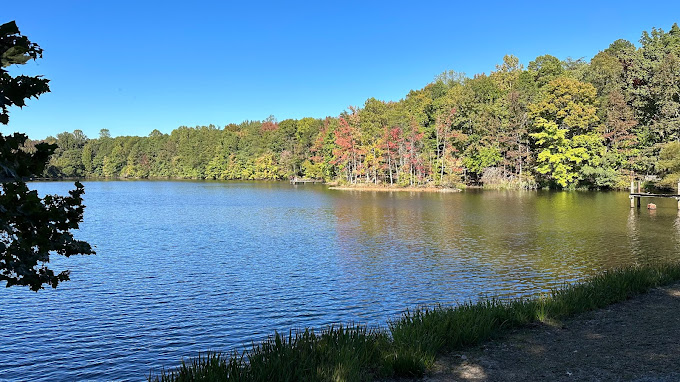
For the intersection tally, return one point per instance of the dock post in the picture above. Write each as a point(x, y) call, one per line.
point(632, 191)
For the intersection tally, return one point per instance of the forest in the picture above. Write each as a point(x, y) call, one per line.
point(555, 123)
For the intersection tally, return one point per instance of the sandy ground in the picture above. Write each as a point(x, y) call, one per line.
point(636, 340)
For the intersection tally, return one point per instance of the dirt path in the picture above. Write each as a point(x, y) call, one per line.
point(637, 340)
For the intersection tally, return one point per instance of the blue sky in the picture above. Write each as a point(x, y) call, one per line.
point(135, 66)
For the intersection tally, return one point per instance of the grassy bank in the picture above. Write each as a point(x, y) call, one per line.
point(410, 344)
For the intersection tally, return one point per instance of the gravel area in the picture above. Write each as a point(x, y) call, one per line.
point(636, 340)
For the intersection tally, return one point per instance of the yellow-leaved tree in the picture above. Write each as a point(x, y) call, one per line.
point(564, 119)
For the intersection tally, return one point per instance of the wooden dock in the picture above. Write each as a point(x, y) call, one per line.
point(297, 180)
point(636, 197)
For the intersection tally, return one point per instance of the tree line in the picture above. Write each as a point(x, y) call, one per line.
point(556, 123)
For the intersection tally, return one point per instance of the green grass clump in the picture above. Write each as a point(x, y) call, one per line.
point(337, 353)
point(411, 343)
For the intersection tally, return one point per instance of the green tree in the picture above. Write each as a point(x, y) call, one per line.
point(31, 228)
point(478, 157)
point(563, 120)
point(669, 165)
point(653, 85)
point(545, 69)
point(605, 72)
point(86, 158)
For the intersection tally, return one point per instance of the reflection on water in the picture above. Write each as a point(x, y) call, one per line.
point(184, 267)
point(517, 242)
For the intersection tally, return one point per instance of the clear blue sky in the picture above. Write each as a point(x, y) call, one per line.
point(135, 66)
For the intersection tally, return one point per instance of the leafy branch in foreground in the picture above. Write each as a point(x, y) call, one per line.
point(31, 228)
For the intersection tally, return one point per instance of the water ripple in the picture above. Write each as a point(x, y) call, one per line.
point(185, 267)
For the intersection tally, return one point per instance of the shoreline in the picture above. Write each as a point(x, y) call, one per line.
point(416, 344)
point(394, 189)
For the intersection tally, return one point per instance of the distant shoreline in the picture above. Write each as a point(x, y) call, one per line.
point(394, 188)
point(331, 185)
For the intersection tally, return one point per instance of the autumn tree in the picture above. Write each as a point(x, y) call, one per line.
point(347, 155)
point(321, 161)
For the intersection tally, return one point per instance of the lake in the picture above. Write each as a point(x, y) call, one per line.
point(185, 267)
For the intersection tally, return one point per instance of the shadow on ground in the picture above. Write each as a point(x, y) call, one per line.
point(637, 340)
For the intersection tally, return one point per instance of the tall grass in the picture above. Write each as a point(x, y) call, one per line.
point(338, 353)
point(411, 343)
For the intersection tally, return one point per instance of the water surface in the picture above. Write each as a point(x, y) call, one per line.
point(183, 267)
